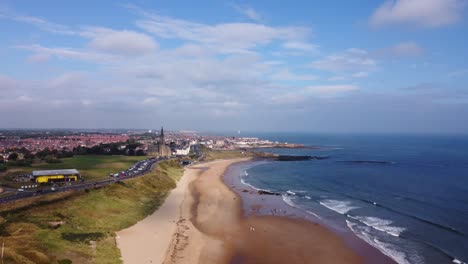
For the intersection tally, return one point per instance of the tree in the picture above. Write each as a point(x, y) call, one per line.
point(140, 152)
point(29, 156)
point(13, 156)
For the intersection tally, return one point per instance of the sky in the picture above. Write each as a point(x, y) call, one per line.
point(309, 66)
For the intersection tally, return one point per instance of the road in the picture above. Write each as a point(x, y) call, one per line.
point(146, 165)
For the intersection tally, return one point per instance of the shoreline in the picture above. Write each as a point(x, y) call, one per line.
point(205, 220)
point(270, 203)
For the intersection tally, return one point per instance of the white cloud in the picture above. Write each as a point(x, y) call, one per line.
point(425, 13)
point(360, 74)
point(7, 83)
point(151, 101)
point(38, 22)
point(86, 102)
point(404, 49)
point(328, 90)
point(286, 75)
point(303, 46)
point(39, 57)
point(224, 37)
point(68, 53)
point(351, 60)
point(24, 98)
point(120, 42)
point(248, 12)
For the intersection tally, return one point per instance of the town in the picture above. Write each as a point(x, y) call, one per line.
point(36, 162)
point(25, 145)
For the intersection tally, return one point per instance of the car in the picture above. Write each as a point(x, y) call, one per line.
point(20, 190)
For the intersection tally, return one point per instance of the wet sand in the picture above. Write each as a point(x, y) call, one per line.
point(213, 229)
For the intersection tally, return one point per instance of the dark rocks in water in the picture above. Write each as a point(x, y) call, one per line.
point(299, 158)
point(263, 192)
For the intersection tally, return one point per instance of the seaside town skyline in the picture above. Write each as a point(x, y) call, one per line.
point(382, 66)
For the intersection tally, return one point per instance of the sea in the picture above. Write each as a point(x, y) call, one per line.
point(406, 195)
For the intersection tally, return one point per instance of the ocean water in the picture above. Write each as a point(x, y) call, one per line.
point(413, 207)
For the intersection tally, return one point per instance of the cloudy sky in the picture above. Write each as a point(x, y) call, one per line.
point(338, 66)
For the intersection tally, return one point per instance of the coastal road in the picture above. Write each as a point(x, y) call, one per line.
point(145, 165)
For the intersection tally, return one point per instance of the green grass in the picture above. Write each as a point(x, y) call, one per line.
point(227, 154)
point(92, 167)
point(90, 219)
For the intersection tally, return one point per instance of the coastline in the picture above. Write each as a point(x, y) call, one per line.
point(269, 203)
point(209, 218)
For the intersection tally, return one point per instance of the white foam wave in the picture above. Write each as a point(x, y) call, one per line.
point(251, 186)
point(313, 214)
point(382, 225)
point(287, 199)
point(458, 261)
point(385, 248)
point(291, 192)
point(307, 197)
point(245, 173)
point(341, 207)
point(390, 251)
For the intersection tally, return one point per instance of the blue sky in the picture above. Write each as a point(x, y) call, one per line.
point(325, 66)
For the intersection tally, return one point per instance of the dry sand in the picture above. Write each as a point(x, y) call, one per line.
point(148, 240)
point(202, 222)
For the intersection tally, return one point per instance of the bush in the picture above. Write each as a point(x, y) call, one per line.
point(65, 261)
point(83, 237)
point(13, 156)
point(3, 167)
point(21, 163)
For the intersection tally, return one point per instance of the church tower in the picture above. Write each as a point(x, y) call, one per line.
point(163, 150)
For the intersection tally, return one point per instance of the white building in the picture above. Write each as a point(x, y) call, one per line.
point(183, 151)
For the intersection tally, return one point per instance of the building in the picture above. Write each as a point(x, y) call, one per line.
point(163, 149)
point(183, 151)
point(46, 176)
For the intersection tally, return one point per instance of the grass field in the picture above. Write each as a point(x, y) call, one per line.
point(227, 154)
point(92, 167)
point(80, 226)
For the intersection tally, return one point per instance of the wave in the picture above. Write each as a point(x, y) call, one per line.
point(313, 214)
point(387, 249)
point(307, 197)
point(341, 207)
point(421, 219)
point(458, 261)
point(287, 199)
point(291, 192)
point(379, 224)
point(253, 187)
point(390, 251)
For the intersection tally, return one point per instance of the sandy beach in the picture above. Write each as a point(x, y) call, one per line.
point(149, 239)
point(202, 222)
